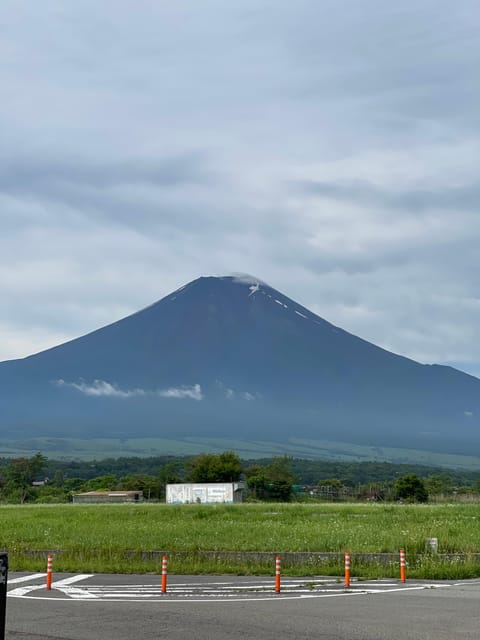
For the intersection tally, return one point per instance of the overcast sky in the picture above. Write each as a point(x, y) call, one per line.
point(328, 147)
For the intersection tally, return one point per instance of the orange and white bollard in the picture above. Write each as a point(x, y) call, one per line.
point(403, 566)
point(164, 574)
point(49, 571)
point(347, 570)
point(278, 573)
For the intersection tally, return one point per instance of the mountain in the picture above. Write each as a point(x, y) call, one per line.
point(232, 358)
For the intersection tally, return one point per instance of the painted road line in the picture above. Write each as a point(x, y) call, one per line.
point(207, 594)
point(67, 581)
point(22, 591)
point(75, 593)
point(29, 578)
point(209, 586)
point(215, 592)
point(59, 584)
point(224, 598)
point(267, 582)
point(194, 598)
point(369, 584)
point(130, 592)
point(155, 588)
point(400, 589)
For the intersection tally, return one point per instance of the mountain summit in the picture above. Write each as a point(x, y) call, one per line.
point(231, 357)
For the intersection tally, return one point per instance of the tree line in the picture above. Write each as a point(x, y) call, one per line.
point(307, 472)
point(37, 479)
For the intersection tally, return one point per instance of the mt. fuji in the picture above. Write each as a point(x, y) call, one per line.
point(232, 358)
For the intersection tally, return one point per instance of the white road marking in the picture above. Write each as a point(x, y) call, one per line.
point(74, 592)
point(212, 591)
point(77, 593)
point(197, 598)
point(369, 584)
point(33, 576)
point(59, 584)
point(66, 581)
point(222, 598)
point(22, 591)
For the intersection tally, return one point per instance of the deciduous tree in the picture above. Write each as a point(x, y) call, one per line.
point(411, 488)
point(211, 467)
point(20, 473)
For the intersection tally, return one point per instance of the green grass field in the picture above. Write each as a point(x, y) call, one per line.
point(88, 449)
point(97, 537)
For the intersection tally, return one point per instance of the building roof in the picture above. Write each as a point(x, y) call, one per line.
point(112, 494)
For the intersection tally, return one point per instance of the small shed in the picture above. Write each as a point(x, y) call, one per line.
point(101, 497)
point(205, 492)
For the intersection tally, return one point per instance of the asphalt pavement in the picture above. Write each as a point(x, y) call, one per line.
point(121, 607)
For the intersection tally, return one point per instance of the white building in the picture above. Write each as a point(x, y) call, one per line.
point(205, 492)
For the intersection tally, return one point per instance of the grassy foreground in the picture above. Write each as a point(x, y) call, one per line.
point(109, 538)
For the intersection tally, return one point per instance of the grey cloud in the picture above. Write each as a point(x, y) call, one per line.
point(139, 193)
point(391, 63)
point(26, 174)
point(135, 191)
point(465, 197)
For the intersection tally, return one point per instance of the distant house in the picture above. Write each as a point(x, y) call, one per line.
point(101, 497)
point(205, 492)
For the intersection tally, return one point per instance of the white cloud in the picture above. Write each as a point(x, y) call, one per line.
point(245, 278)
point(104, 388)
point(231, 393)
point(193, 393)
point(101, 388)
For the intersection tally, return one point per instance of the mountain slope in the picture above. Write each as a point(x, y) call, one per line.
point(232, 357)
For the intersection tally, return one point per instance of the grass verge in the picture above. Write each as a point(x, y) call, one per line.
point(243, 539)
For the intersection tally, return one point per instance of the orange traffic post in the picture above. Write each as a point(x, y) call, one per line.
point(164, 574)
point(403, 566)
point(49, 571)
point(347, 570)
point(278, 572)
